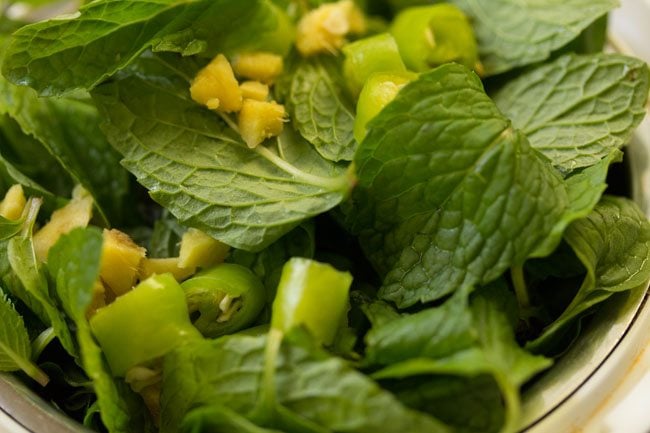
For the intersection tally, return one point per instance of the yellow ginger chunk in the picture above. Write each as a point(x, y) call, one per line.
point(120, 263)
point(260, 66)
point(324, 28)
point(254, 90)
point(13, 204)
point(76, 213)
point(199, 250)
point(259, 120)
point(156, 266)
point(216, 87)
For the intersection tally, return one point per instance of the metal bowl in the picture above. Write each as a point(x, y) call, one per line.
point(565, 397)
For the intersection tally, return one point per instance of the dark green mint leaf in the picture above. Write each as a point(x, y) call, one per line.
point(15, 349)
point(450, 195)
point(613, 243)
point(69, 129)
point(30, 285)
point(514, 33)
point(577, 108)
point(82, 50)
point(309, 383)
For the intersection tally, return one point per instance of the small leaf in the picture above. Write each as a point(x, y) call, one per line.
point(321, 109)
point(32, 286)
point(15, 349)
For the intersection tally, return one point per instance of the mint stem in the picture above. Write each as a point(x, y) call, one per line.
point(521, 291)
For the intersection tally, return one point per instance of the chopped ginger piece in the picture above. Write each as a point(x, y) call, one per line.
point(13, 204)
point(150, 267)
point(216, 87)
point(199, 250)
point(76, 213)
point(254, 90)
point(324, 28)
point(260, 120)
point(121, 259)
point(264, 67)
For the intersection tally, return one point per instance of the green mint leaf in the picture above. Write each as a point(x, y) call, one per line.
point(15, 349)
point(201, 171)
point(613, 244)
point(314, 386)
point(69, 129)
point(515, 33)
point(452, 398)
point(30, 284)
point(431, 333)
point(577, 108)
point(450, 195)
point(321, 110)
point(165, 237)
point(31, 158)
point(487, 345)
point(217, 418)
point(9, 228)
point(74, 263)
point(80, 51)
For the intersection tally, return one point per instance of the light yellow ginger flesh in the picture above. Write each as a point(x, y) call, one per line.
point(76, 213)
point(259, 66)
point(157, 266)
point(324, 28)
point(199, 250)
point(259, 120)
point(216, 87)
point(254, 90)
point(120, 262)
point(13, 203)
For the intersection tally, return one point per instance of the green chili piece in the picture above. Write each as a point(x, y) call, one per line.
point(143, 324)
point(224, 299)
point(311, 294)
point(367, 56)
point(429, 36)
point(379, 90)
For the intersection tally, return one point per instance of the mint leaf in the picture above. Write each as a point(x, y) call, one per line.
point(450, 194)
point(577, 108)
point(15, 349)
point(514, 33)
point(431, 333)
point(30, 284)
point(74, 263)
point(69, 129)
point(318, 388)
point(451, 398)
point(321, 109)
point(217, 418)
point(201, 171)
point(613, 243)
point(80, 51)
point(479, 340)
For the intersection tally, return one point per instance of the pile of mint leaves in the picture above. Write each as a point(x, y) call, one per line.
point(473, 217)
